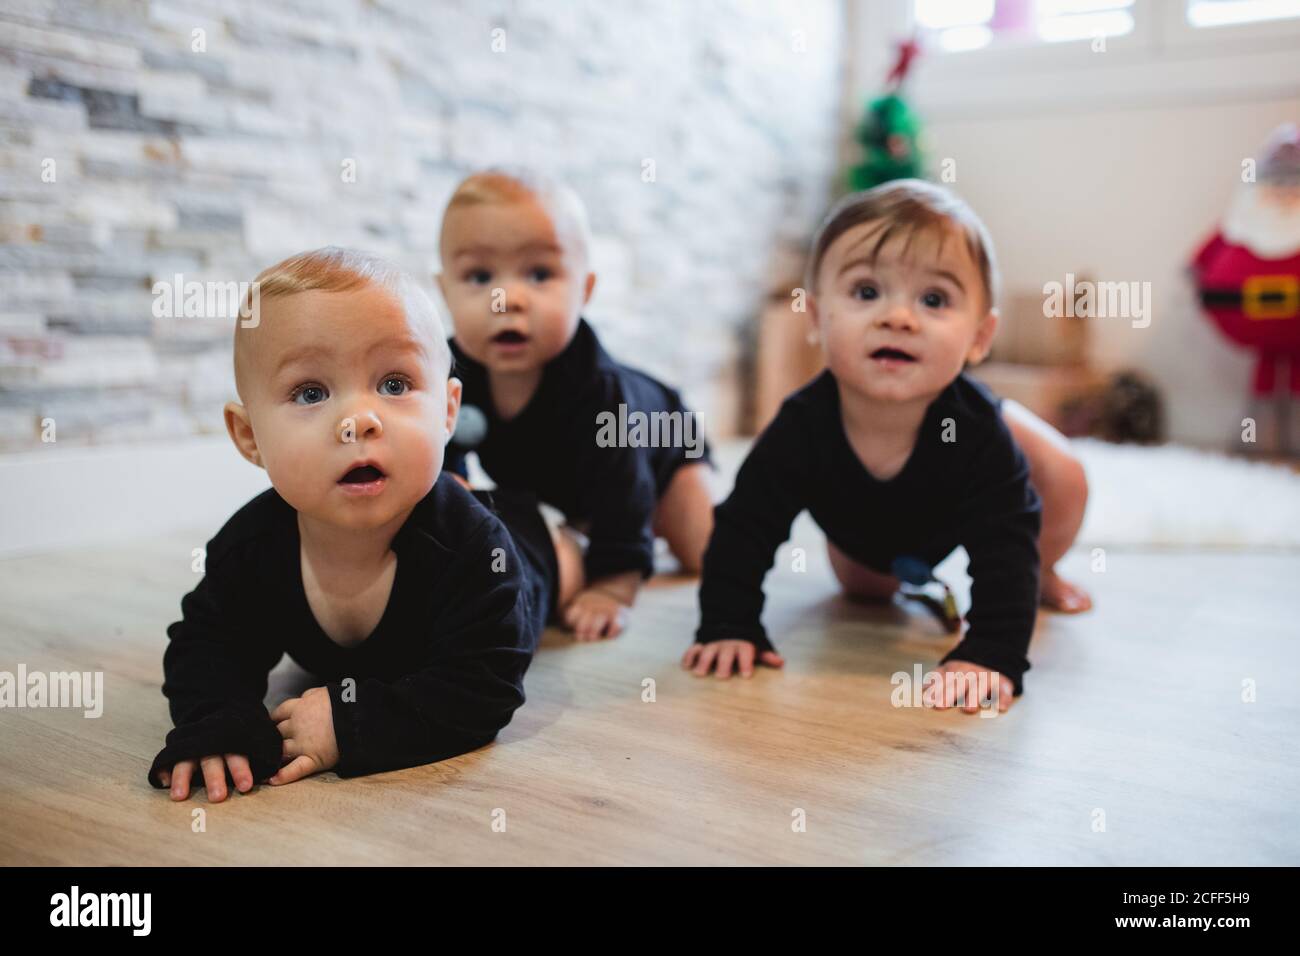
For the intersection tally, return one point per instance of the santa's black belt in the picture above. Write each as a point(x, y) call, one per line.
point(1260, 297)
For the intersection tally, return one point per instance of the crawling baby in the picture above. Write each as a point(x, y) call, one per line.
point(414, 602)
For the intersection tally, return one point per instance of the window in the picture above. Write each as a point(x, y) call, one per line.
point(954, 25)
point(951, 26)
point(984, 57)
point(1221, 13)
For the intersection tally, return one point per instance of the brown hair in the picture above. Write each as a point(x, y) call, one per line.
point(907, 208)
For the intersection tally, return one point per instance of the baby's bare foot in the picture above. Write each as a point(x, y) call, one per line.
point(1059, 594)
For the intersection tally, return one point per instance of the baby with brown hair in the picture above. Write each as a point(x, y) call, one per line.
point(898, 455)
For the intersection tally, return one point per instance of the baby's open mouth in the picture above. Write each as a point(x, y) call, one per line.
point(892, 354)
point(361, 475)
point(510, 337)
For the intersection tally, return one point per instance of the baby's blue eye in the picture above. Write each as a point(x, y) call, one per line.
point(865, 291)
point(314, 394)
point(399, 382)
point(934, 300)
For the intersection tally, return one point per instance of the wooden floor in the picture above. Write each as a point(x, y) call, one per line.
point(1133, 718)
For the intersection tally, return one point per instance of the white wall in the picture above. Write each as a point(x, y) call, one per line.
point(1123, 194)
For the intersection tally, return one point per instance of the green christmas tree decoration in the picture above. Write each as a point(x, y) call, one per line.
point(890, 132)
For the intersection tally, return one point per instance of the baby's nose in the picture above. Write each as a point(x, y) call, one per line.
point(898, 316)
point(363, 425)
point(516, 297)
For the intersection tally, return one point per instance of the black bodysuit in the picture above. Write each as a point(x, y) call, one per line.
point(972, 491)
point(550, 448)
point(441, 673)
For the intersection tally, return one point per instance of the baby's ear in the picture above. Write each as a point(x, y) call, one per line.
point(454, 392)
point(588, 288)
point(240, 428)
point(808, 301)
point(984, 333)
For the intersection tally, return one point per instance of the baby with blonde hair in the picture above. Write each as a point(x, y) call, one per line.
point(516, 275)
point(415, 602)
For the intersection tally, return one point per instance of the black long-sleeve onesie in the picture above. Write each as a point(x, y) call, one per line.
point(972, 491)
point(441, 673)
point(550, 448)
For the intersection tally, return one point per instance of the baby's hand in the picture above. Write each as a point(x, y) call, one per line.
point(307, 725)
point(726, 653)
point(214, 776)
point(595, 613)
point(965, 684)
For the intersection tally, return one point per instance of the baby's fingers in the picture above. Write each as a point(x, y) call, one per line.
point(998, 691)
point(617, 621)
point(1007, 693)
point(285, 710)
point(692, 652)
point(705, 661)
point(596, 624)
point(954, 688)
point(725, 658)
point(579, 621)
point(771, 659)
point(583, 626)
point(180, 779)
point(968, 690)
point(301, 766)
point(214, 777)
point(745, 660)
point(240, 771)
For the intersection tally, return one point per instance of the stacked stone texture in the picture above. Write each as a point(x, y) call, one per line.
point(140, 141)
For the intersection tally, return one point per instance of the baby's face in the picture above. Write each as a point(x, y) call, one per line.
point(515, 285)
point(350, 405)
point(900, 327)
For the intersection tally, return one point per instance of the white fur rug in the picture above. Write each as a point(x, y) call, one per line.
point(1173, 496)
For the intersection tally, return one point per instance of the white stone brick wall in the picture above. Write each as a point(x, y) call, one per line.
point(214, 163)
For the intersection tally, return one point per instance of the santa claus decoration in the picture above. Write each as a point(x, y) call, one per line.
point(1248, 275)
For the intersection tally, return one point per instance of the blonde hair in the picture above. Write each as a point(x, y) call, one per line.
point(512, 183)
point(336, 269)
point(907, 208)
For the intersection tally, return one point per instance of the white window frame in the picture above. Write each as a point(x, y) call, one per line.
point(1238, 37)
point(1163, 60)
